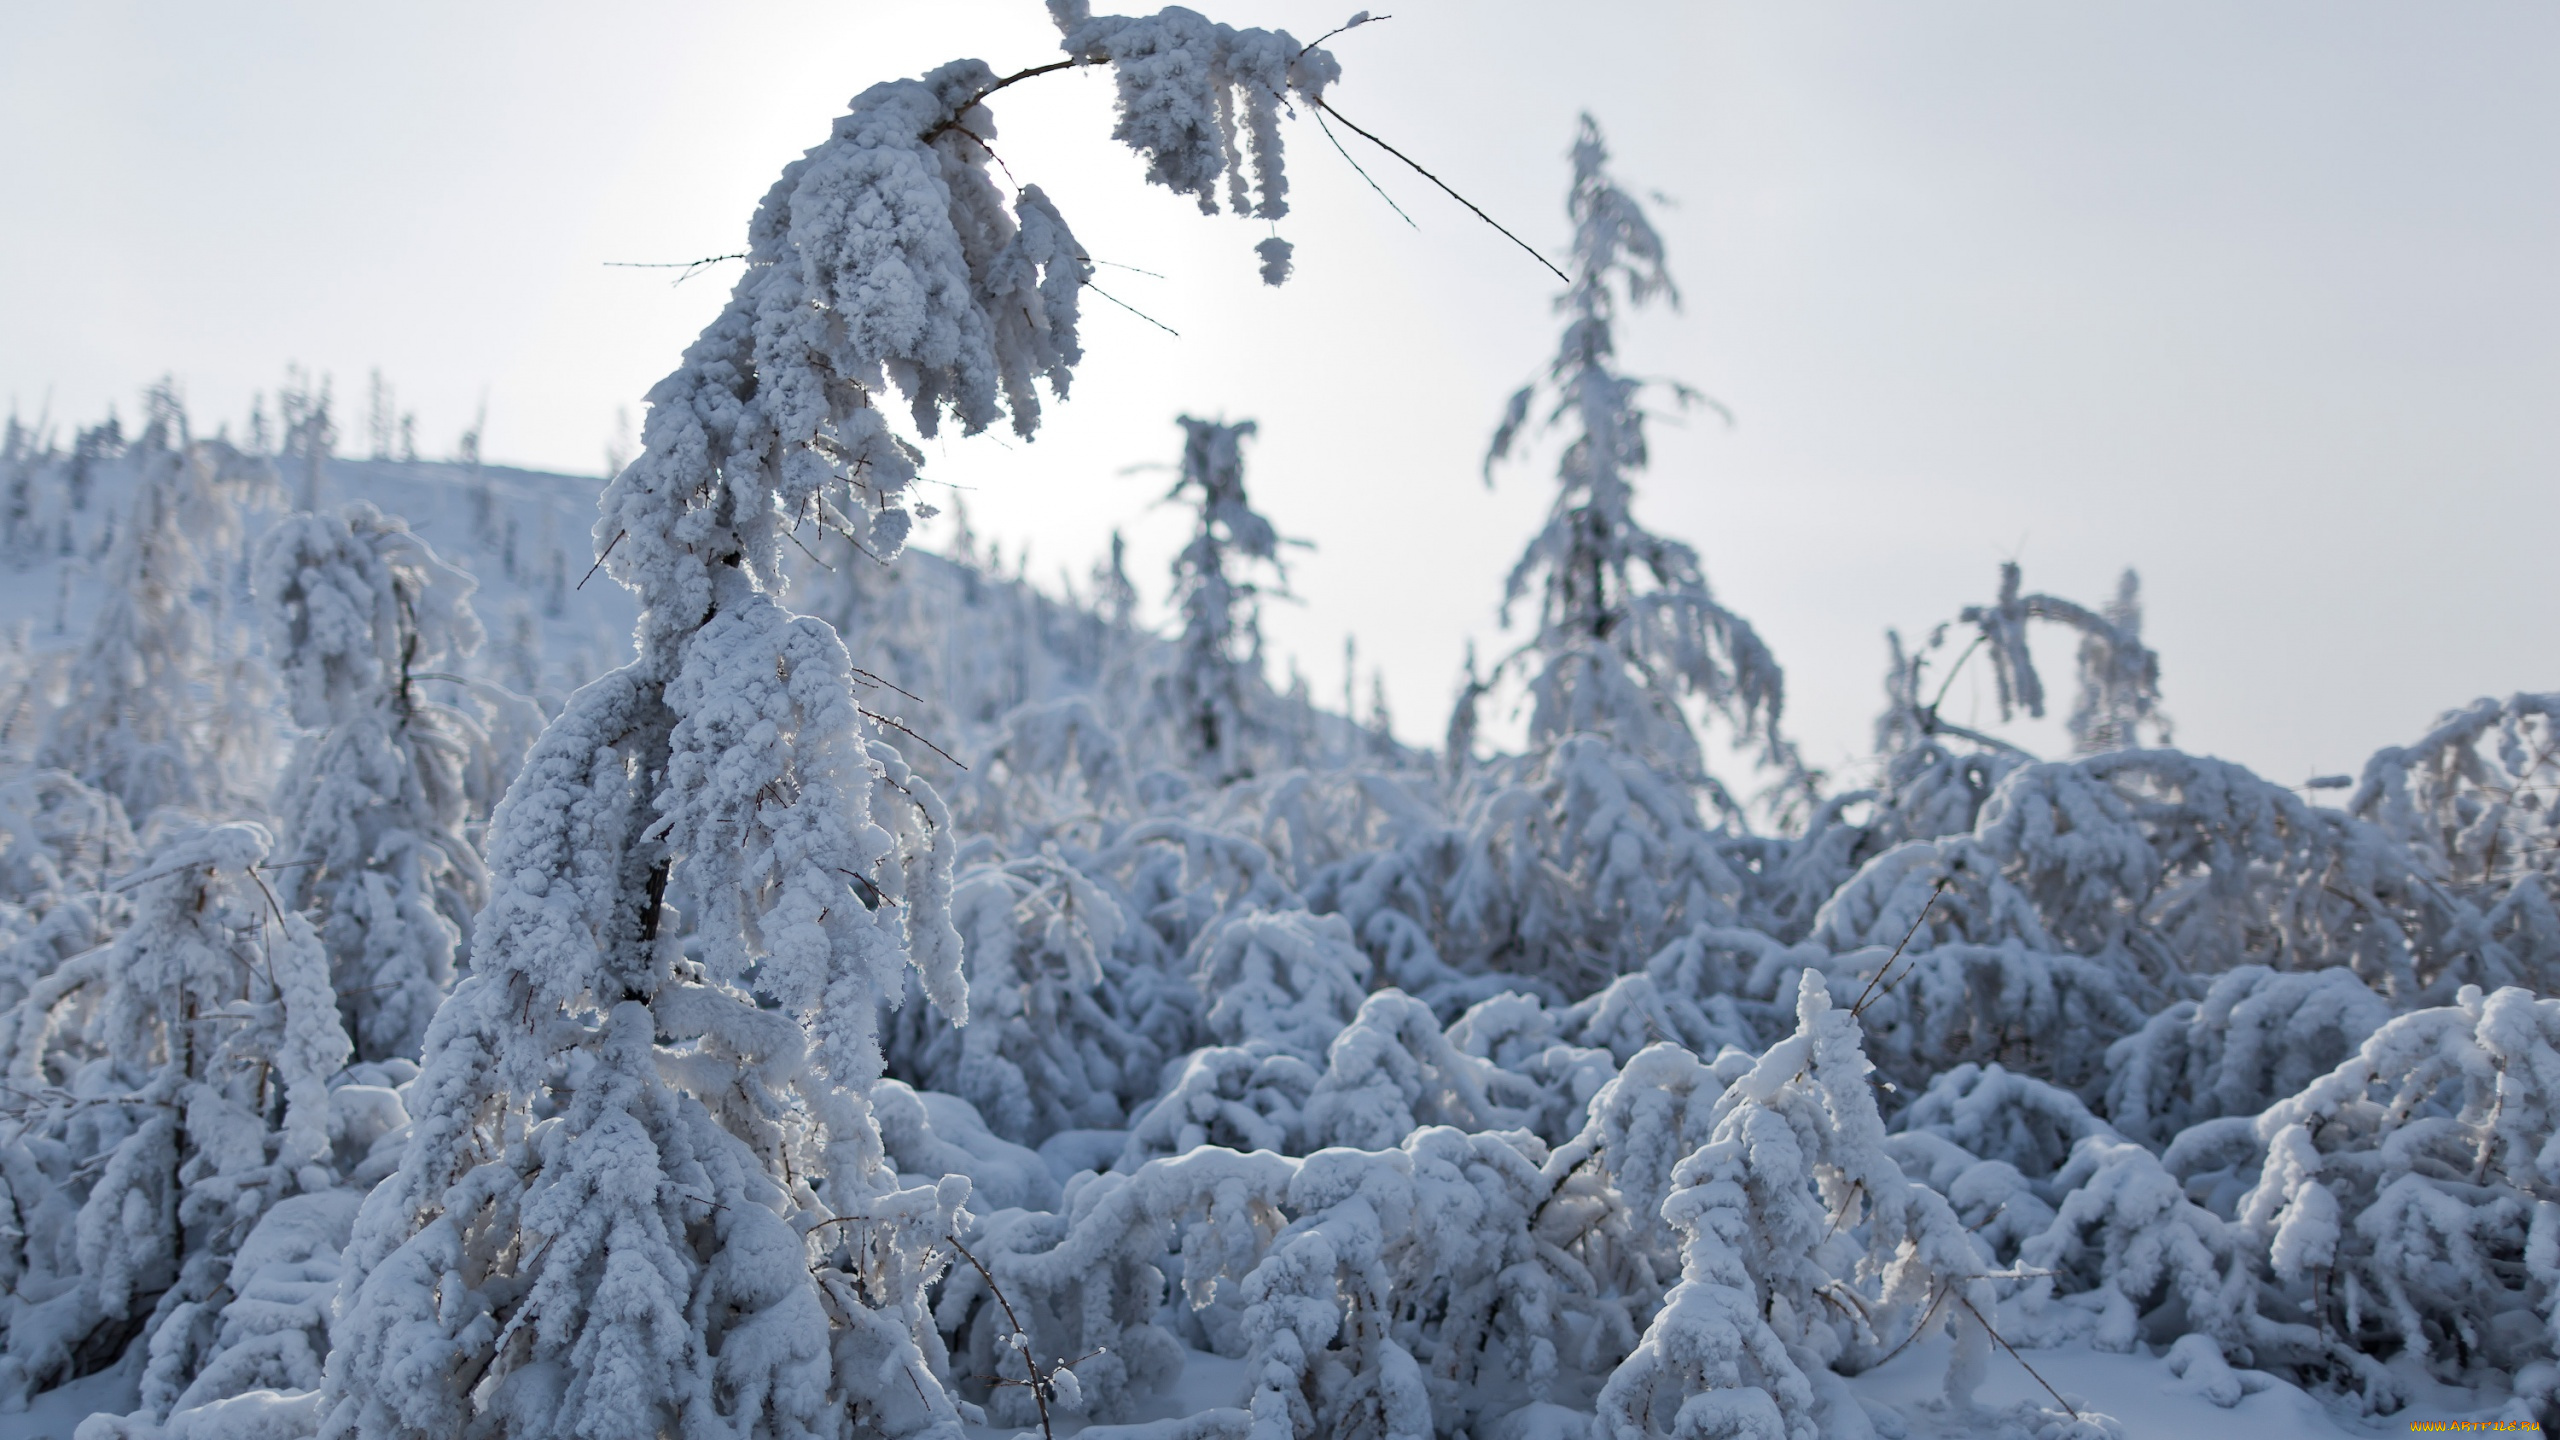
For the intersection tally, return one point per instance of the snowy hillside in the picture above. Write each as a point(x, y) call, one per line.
point(468, 967)
point(521, 535)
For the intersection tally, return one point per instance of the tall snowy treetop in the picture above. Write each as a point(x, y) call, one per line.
point(1213, 464)
point(888, 256)
point(355, 604)
point(1627, 623)
point(1611, 235)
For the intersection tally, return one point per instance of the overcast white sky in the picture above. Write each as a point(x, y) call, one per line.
point(2258, 298)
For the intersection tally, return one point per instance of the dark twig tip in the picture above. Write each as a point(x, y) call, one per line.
point(1417, 169)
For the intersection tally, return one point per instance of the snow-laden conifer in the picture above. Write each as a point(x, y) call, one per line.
point(1055, 1039)
point(1241, 1097)
point(140, 714)
point(2257, 1036)
point(1626, 628)
point(1393, 1070)
point(60, 840)
point(1135, 1265)
point(2092, 893)
point(1587, 852)
point(170, 1089)
point(1803, 1244)
point(1210, 699)
point(2476, 802)
point(1578, 861)
point(2124, 1238)
point(375, 803)
point(710, 849)
point(2397, 1192)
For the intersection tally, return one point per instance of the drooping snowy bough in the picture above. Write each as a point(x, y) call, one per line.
point(643, 1193)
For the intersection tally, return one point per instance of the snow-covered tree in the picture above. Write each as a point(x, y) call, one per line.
point(2119, 699)
point(1134, 1265)
point(59, 842)
point(1626, 628)
point(712, 845)
point(2475, 819)
point(2410, 1198)
point(1576, 862)
point(169, 1090)
point(2257, 1036)
point(26, 453)
point(1587, 853)
point(1057, 1038)
point(1803, 1244)
point(2484, 828)
point(140, 715)
point(1519, 1097)
point(381, 787)
point(1393, 1069)
point(1211, 696)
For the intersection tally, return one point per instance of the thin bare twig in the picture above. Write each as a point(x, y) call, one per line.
point(1363, 174)
point(1354, 23)
point(2067, 1406)
point(1949, 683)
point(1934, 892)
point(812, 554)
point(673, 264)
point(919, 739)
point(272, 907)
point(1116, 265)
point(687, 266)
point(1039, 1384)
point(871, 895)
point(892, 684)
point(592, 569)
point(965, 106)
point(1132, 309)
point(992, 155)
point(1916, 1331)
point(1856, 1189)
point(1444, 187)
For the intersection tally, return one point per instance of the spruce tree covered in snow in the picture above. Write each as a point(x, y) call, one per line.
point(168, 1090)
point(1210, 698)
point(376, 800)
point(139, 714)
point(1057, 1038)
point(1586, 853)
point(589, 1232)
point(1626, 628)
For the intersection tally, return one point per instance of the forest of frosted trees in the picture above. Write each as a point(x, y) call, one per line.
point(857, 993)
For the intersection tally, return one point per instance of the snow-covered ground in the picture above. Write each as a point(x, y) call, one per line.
point(2138, 1390)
